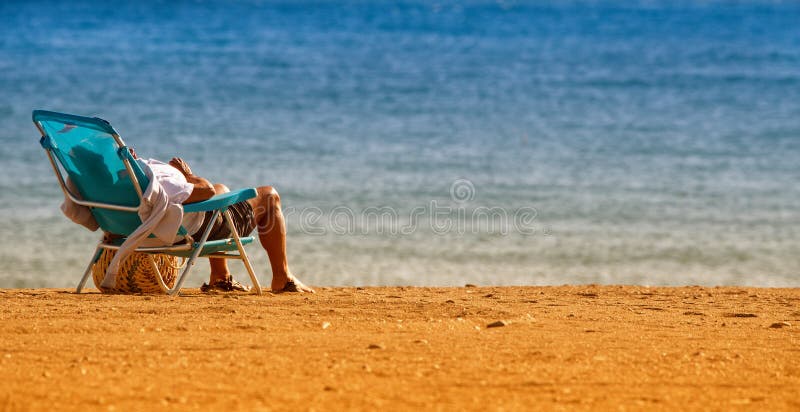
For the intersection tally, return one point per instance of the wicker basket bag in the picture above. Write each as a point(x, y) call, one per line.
point(136, 273)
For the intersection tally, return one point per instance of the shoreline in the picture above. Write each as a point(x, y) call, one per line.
point(576, 347)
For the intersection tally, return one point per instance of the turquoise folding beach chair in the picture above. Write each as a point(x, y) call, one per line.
point(111, 184)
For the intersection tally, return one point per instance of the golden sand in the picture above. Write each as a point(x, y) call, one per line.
point(582, 347)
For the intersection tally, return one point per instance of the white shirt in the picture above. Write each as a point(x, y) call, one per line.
point(177, 189)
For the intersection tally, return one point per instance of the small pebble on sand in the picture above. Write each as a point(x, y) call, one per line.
point(375, 346)
point(778, 325)
point(497, 324)
point(326, 325)
point(740, 315)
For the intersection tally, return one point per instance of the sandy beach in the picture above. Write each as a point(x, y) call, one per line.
point(568, 347)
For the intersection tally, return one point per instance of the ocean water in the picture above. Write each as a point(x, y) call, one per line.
point(434, 142)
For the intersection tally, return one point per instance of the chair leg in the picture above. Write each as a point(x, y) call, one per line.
point(242, 253)
point(88, 270)
point(198, 247)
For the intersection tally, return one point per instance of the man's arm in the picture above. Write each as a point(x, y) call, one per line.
point(203, 189)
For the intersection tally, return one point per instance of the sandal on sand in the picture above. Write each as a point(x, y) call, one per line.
point(227, 285)
point(290, 286)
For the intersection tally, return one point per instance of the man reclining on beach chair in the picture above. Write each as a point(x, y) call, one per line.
point(147, 200)
point(262, 212)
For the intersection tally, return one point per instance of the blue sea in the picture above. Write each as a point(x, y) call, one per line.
point(433, 142)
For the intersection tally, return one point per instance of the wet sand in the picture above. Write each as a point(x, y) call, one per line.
point(569, 347)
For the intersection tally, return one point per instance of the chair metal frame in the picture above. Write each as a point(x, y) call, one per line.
point(189, 244)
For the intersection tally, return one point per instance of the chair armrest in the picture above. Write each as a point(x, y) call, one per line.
point(220, 201)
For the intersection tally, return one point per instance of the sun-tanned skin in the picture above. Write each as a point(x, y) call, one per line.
point(269, 223)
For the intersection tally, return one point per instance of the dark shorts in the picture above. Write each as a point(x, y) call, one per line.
point(243, 220)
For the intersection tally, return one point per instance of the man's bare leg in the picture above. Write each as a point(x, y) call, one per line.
point(272, 235)
point(219, 267)
point(271, 229)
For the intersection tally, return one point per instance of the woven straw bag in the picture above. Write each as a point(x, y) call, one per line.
point(136, 273)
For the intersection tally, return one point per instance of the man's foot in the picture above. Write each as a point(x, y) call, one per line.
point(292, 285)
point(226, 285)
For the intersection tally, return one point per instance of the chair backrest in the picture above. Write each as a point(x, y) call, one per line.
point(94, 157)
